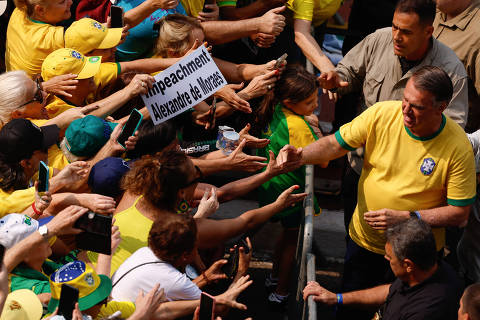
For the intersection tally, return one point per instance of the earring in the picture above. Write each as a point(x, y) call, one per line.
point(183, 206)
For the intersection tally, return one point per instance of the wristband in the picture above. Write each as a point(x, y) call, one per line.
point(37, 213)
point(339, 299)
point(415, 214)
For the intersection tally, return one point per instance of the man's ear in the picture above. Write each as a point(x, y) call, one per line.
point(443, 106)
point(429, 31)
point(408, 265)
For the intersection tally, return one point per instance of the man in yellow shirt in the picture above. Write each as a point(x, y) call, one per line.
point(418, 162)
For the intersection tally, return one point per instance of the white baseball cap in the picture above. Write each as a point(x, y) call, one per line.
point(15, 227)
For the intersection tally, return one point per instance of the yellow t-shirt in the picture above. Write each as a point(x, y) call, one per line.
point(105, 77)
point(55, 106)
point(29, 42)
point(134, 228)
point(127, 308)
point(193, 7)
point(404, 172)
point(16, 201)
point(317, 11)
point(56, 158)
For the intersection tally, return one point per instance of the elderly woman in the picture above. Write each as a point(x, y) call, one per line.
point(23, 98)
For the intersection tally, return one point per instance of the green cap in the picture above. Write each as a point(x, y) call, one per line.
point(86, 136)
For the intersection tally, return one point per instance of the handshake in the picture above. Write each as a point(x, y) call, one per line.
point(289, 158)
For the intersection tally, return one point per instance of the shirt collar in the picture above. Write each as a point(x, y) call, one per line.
point(463, 19)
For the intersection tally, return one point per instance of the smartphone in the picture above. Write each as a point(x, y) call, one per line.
point(130, 127)
point(116, 17)
point(43, 175)
point(206, 10)
point(2, 253)
point(280, 61)
point(68, 299)
point(207, 307)
point(97, 235)
point(231, 267)
point(243, 243)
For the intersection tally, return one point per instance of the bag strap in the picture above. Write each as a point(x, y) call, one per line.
point(138, 266)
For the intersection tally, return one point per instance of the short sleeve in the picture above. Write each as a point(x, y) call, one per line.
point(461, 180)
point(302, 9)
point(354, 134)
point(183, 289)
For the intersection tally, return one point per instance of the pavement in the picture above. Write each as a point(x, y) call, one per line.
point(328, 246)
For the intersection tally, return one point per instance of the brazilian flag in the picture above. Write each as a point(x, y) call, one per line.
point(285, 128)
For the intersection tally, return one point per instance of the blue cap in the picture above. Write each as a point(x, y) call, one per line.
point(106, 175)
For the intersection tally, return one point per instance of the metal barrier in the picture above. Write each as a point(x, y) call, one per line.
point(305, 268)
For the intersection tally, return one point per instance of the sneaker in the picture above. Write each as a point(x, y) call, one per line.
point(270, 283)
point(277, 302)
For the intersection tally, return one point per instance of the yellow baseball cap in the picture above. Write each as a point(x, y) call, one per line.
point(87, 34)
point(92, 288)
point(64, 61)
point(22, 304)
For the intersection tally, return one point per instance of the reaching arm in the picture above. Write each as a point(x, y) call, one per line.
point(218, 32)
point(369, 298)
point(310, 47)
point(139, 85)
point(323, 150)
point(141, 12)
point(436, 217)
point(254, 9)
point(150, 65)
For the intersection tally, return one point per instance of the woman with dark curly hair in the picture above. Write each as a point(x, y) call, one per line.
point(167, 183)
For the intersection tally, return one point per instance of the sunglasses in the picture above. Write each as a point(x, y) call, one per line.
point(38, 94)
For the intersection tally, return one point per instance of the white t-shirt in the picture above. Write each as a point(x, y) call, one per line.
point(176, 285)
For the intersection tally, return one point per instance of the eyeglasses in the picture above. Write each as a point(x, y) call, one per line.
point(38, 94)
point(197, 179)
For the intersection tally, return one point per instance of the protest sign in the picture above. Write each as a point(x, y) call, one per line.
point(183, 85)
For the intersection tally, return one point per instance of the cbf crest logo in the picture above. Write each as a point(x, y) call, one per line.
point(97, 25)
point(76, 55)
point(427, 166)
point(89, 279)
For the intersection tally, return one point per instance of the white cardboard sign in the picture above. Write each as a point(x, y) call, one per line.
point(183, 85)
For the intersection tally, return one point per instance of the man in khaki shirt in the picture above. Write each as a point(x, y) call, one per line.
point(380, 66)
point(457, 25)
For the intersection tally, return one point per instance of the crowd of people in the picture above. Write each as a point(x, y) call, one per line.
point(127, 224)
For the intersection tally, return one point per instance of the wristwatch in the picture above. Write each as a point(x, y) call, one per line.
point(43, 230)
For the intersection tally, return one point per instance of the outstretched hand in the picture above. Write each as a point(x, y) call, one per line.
point(243, 162)
point(288, 199)
point(251, 141)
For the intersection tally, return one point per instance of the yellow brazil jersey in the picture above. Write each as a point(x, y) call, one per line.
point(104, 80)
point(55, 106)
point(317, 11)
point(29, 42)
point(193, 7)
point(134, 228)
point(16, 201)
point(404, 172)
